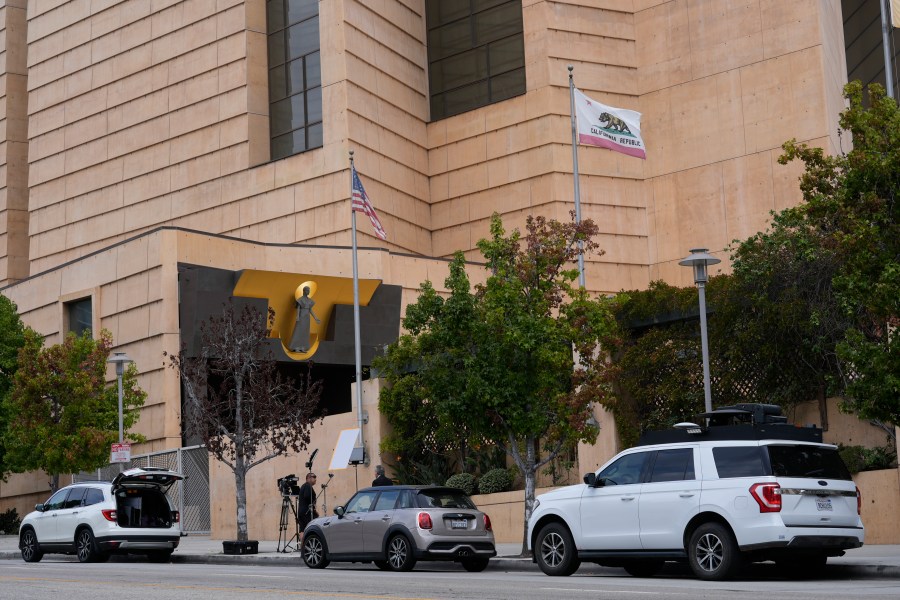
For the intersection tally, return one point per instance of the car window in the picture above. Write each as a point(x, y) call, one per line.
point(444, 498)
point(387, 500)
point(406, 500)
point(807, 461)
point(361, 502)
point(740, 461)
point(73, 500)
point(626, 470)
point(93, 496)
point(673, 465)
point(56, 500)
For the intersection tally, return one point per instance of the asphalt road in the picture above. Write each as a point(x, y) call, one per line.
point(64, 579)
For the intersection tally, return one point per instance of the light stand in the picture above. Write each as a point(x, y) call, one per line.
point(324, 497)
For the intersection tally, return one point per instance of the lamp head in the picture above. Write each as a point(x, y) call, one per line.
point(120, 359)
point(699, 260)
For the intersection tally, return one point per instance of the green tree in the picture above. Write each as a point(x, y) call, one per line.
point(851, 209)
point(63, 413)
point(12, 338)
point(497, 363)
point(238, 403)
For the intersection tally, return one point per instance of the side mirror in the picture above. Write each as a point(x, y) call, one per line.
point(591, 479)
point(339, 511)
point(39, 507)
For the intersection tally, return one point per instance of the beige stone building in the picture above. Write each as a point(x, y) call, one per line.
point(149, 143)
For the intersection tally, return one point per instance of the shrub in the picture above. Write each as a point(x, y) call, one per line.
point(463, 481)
point(495, 480)
point(9, 522)
point(860, 458)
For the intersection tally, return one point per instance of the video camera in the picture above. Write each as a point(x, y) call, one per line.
point(287, 485)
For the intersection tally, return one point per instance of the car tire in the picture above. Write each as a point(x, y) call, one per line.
point(31, 550)
point(644, 568)
point(400, 554)
point(713, 552)
point(160, 556)
point(86, 546)
point(475, 565)
point(313, 552)
point(555, 551)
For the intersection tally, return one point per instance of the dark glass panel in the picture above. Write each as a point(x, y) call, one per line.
point(80, 313)
point(287, 114)
point(303, 38)
point(288, 144)
point(299, 10)
point(277, 84)
point(314, 105)
point(485, 4)
point(449, 39)
point(507, 54)
point(466, 98)
point(498, 22)
point(274, 15)
point(313, 70)
point(458, 70)
point(295, 76)
point(438, 12)
point(508, 85)
point(314, 132)
point(276, 48)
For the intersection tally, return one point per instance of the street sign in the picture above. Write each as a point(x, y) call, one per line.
point(121, 453)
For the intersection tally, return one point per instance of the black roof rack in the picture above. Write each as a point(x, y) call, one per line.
point(739, 422)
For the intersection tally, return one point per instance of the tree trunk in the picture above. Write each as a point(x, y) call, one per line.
point(240, 484)
point(530, 474)
point(54, 483)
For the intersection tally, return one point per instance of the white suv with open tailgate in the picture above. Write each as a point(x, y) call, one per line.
point(95, 519)
point(714, 496)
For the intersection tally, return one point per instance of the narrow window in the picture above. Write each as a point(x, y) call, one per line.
point(476, 53)
point(295, 79)
point(80, 315)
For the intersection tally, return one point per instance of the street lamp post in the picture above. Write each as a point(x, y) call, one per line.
point(699, 260)
point(120, 359)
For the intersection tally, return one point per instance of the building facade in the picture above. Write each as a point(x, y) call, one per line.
point(152, 143)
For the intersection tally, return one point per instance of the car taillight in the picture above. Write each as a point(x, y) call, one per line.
point(768, 496)
point(109, 515)
point(425, 521)
point(858, 501)
point(176, 516)
point(487, 523)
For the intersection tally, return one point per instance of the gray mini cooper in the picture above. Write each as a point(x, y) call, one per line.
point(394, 527)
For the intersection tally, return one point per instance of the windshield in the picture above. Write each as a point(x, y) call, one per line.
point(815, 462)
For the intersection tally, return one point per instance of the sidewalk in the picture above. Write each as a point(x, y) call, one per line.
point(876, 561)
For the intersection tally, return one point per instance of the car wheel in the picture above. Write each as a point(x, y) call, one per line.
point(475, 565)
point(713, 553)
point(314, 552)
point(644, 568)
point(31, 550)
point(400, 554)
point(382, 564)
point(85, 546)
point(555, 551)
point(160, 556)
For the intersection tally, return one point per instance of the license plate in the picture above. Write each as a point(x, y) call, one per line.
point(459, 524)
point(823, 504)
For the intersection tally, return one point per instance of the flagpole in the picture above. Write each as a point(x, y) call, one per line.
point(575, 170)
point(356, 337)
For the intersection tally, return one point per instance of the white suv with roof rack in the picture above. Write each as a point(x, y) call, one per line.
point(92, 520)
point(746, 487)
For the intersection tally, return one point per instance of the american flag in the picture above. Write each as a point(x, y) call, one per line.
point(360, 203)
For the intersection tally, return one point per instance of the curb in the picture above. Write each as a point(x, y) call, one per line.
point(501, 564)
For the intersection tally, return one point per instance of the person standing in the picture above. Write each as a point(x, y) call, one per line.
point(380, 478)
point(306, 501)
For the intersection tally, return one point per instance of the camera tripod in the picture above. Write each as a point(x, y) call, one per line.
point(288, 508)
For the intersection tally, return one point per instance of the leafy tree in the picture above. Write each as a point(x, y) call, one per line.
point(12, 338)
point(851, 209)
point(63, 413)
point(497, 363)
point(238, 403)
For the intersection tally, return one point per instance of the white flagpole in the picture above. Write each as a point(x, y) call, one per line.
point(575, 172)
point(356, 342)
point(886, 43)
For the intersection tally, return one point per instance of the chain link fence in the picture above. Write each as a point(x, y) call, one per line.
point(190, 495)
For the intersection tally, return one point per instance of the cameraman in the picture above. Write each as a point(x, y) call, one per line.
point(306, 501)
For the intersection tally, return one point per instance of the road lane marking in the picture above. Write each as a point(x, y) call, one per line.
point(606, 591)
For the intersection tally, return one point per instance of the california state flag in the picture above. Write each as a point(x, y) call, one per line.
point(618, 129)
